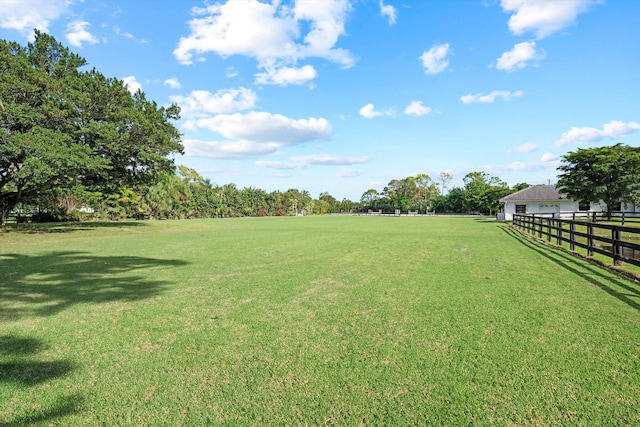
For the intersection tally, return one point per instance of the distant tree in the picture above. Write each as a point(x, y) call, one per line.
point(321, 207)
point(347, 205)
point(327, 198)
point(520, 186)
point(426, 190)
point(482, 192)
point(65, 128)
point(294, 201)
point(369, 198)
point(608, 174)
point(444, 178)
point(440, 204)
point(157, 201)
point(456, 200)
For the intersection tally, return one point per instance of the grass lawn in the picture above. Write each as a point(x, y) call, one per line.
point(311, 321)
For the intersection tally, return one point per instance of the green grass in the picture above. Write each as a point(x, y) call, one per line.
point(311, 321)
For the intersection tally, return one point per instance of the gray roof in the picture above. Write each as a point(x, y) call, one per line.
point(534, 193)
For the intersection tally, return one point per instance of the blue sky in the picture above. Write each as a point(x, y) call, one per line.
point(342, 96)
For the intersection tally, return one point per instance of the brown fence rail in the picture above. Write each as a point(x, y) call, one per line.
point(619, 242)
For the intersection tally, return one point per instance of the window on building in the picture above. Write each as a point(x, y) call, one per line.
point(584, 206)
point(521, 209)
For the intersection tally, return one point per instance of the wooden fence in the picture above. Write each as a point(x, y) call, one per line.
point(621, 217)
point(621, 243)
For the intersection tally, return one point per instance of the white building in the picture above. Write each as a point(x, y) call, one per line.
point(546, 199)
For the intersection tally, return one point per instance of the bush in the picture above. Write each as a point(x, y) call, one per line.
point(60, 216)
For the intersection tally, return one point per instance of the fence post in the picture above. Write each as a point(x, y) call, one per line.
point(616, 247)
point(549, 221)
point(540, 228)
point(559, 228)
point(572, 236)
point(590, 239)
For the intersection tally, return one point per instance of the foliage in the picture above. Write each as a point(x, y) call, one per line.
point(521, 186)
point(413, 193)
point(63, 128)
point(444, 178)
point(608, 174)
point(452, 202)
point(482, 192)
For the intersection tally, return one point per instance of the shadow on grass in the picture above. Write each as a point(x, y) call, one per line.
point(41, 285)
point(61, 407)
point(486, 220)
point(67, 227)
point(593, 274)
point(22, 369)
point(28, 372)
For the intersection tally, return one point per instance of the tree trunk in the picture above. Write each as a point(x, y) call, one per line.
point(4, 210)
point(609, 210)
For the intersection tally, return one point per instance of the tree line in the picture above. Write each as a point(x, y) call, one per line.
point(75, 143)
point(481, 193)
point(185, 194)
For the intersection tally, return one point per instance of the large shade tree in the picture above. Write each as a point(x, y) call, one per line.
point(62, 127)
point(607, 174)
point(482, 192)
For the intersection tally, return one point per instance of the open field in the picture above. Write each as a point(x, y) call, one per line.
point(314, 320)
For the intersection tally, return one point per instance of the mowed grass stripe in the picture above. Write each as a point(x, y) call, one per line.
point(315, 320)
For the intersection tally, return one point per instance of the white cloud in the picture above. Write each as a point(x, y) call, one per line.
point(523, 166)
point(388, 11)
point(349, 173)
point(548, 157)
point(327, 159)
point(369, 112)
point(417, 109)
point(275, 35)
point(287, 75)
point(274, 164)
point(301, 162)
point(613, 129)
point(254, 134)
point(173, 83)
point(132, 85)
point(544, 17)
point(491, 97)
point(435, 59)
point(519, 57)
point(77, 33)
point(238, 149)
point(248, 28)
point(527, 147)
point(326, 20)
point(546, 162)
point(121, 33)
point(202, 103)
point(24, 17)
point(267, 127)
